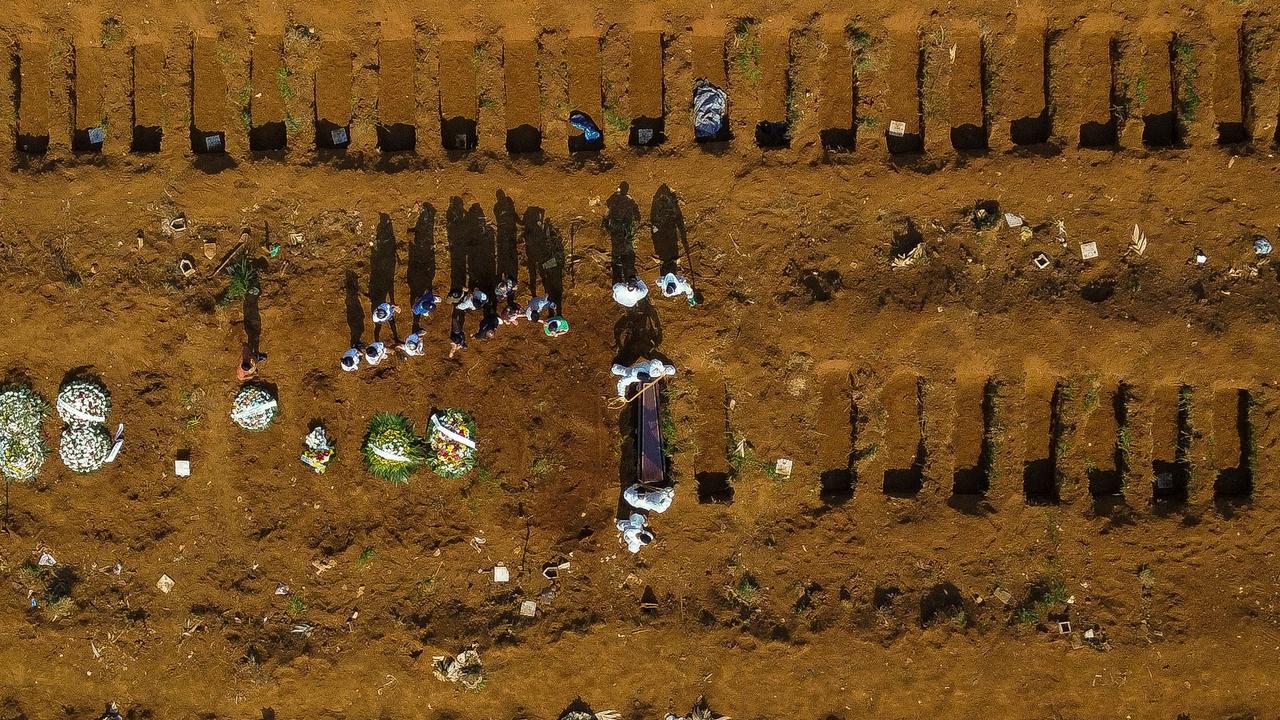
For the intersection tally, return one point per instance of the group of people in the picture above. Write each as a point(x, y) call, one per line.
point(464, 301)
point(631, 291)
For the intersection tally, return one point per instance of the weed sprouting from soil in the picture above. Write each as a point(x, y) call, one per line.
point(366, 557)
point(746, 590)
point(546, 464)
point(112, 31)
point(244, 278)
point(1186, 66)
point(296, 607)
point(863, 47)
point(746, 50)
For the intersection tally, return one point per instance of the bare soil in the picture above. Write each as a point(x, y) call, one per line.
point(816, 596)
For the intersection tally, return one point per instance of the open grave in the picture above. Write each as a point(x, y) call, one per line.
point(32, 92)
point(709, 64)
point(711, 466)
point(1232, 444)
point(1095, 88)
point(583, 56)
point(1171, 444)
point(90, 123)
point(838, 428)
point(1230, 92)
point(1043, 408)
point(333, 94)
point(523, 97)
point(904, 436)
point(773, 130)
point(459, 105)
point(968, 107)
point(904, 125)
point(645, 89)
point(972, 436)
point(1026, 100)
point(397, 97)
point(208, 98)
point(839, 93)
point(148, 110)
point(267, 132)
point(1159, 126)
point(1105, 432)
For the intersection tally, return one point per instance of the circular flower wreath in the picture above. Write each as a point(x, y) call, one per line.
point(22, 455)
point(391, 449)
point(21, 410)
point(255, 408)
point(84, 400)
point(452, 438)
point(84, 448)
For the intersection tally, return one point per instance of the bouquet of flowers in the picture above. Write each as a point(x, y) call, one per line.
point(391, 449)
point(452, 438)
point(22, 455)
point(84, 448)
point(255, 408)
point(319, 449)
point(84, 400)
point(21, 410)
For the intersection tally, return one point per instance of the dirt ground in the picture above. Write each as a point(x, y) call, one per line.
point(862, 585)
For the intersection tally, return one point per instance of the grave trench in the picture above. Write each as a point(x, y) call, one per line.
point(711, 466)
point(1044, 403)
point(837, 423)
point(709, 63)
point(208, 98)
point(968, 73)
point(773, 129)
point(1171, 445)
point(645, 89)
point(90, 132)
point(459, 105)
point(266, 107)
point(523, 106)
point(583, 56)
point(333, 95)
point(1230, 88)
point(396, 95)
point(1159, 125)
point(32, 93)
point(839, 96)
point(148, 113)
point(1104, 462)
point(972, 442)
point(1096, 89)
point(1028, 77)
point(906, 77)
point(1233, 443)
point(904, 436)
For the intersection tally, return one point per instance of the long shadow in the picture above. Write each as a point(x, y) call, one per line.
point(481, 264)
point(669, 234)
point(355, 309)
point(252, 320)
point(507, 222)
point(621, 222)
point(638, 334)
point(455, 232)
point(545, 255)
point(382, 268)
point(421, 269)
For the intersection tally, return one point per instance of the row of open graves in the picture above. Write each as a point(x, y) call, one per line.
point(954, 86)
point(1109, 441)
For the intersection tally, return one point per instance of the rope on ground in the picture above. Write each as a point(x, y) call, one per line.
point(618, 403)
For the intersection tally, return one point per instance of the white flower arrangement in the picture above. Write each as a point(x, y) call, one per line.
point(84, 448)
point(255, 408)
point(22, 455)
point(84, 401)
point(21, 410)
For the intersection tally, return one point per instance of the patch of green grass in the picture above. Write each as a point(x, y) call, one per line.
point(546, 464)
point(366, 557)
point(863, 47)
point(487, 102)
point(112, 31)
point(296, 607)
point(870, 122)
point(746, 50)
point(1090, 399)
point(616, 120)
point(1047, 593)
point(1140, 92)
point(244, 278)
point(1188, 71)
point(292, 123)
point(282, 83)
point(746, 590)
